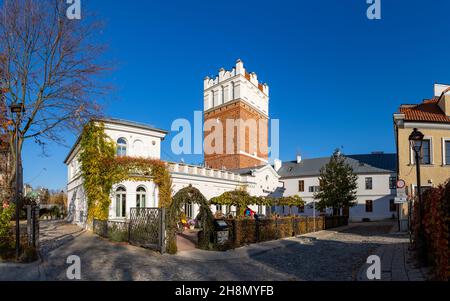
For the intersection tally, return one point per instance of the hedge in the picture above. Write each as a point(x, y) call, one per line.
point(246, 231)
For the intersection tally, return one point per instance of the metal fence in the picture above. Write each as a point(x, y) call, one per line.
point(113, 230)
point(145, 228)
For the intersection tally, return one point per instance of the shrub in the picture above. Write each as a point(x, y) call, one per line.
point(29, 254)
point(435, 221)
point(6, 238)
point(6, 213)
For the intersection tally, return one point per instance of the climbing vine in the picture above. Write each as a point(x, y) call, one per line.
point(242, 199)
point(97, 168)
point(101, 169)
point(190, 195)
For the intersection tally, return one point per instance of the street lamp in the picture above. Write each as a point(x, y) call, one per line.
point(17, 110)
point(416, 141)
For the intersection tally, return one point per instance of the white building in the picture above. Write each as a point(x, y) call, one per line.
point(376, 184)
point(139, 140)
point(232, 94)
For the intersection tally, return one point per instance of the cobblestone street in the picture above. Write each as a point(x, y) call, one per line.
point(326, 255)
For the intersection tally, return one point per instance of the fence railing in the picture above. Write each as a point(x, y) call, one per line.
point(28, 238)
point(113, 230)
point(145, 228)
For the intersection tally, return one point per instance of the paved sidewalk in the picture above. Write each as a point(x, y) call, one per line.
point(258, 248)
point(53, 234)
point(332, 255)
point(397, 262)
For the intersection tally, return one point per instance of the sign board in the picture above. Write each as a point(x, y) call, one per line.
point(222, 237)
point(401, 184)
point(400, 200)
point(401, 191)
point(401, 194)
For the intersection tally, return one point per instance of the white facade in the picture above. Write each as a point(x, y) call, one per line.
point(381, 196)
point(144, 142)
point(212, 182)
point(140, 141)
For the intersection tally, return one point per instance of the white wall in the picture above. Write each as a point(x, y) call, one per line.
point(380, 194)
point(140, 142)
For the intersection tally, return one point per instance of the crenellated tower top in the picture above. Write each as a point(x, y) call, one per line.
point(236, 84)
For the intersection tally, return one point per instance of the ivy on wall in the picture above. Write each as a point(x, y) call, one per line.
point(101, 169)
point(97, 168)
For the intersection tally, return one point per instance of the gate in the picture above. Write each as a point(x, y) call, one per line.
point(147, 228)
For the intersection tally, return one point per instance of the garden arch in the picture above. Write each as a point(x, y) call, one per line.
point(192, 195)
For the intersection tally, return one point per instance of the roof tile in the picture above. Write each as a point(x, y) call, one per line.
point(428, 110)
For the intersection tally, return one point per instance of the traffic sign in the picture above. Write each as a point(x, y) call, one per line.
point(401, 184)
point(400, 200)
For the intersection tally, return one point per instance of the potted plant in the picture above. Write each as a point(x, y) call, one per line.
point(191, 224)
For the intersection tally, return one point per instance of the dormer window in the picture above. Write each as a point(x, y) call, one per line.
point(121, 147)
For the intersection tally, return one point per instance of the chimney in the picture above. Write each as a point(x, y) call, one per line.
point(439, 89)
point(299, 158)
point(277, 164)
point(443, 91)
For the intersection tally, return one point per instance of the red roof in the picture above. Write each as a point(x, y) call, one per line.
point(428, 111)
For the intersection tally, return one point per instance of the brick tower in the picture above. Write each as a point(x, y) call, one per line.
point(236, 113)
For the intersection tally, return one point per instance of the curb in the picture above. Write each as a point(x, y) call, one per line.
point(249, 251)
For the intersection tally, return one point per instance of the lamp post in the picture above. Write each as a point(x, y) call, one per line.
point(17, 110)
point(416, 141)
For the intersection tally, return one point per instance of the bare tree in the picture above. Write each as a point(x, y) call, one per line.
point(51, 66)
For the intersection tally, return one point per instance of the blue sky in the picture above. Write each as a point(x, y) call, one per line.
point(335, 77)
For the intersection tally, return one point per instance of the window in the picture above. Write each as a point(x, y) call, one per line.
point(392, 206)
point(369, 206)
point(425, 153)
point(260, 209)
point(121, 147)
point(218, 208)
point(368, 183)
point(301, 186)
point(141, 197)
point(447, 151)
point(121, 202)
point(392, 182)
point(189, 210)
point(314, 188)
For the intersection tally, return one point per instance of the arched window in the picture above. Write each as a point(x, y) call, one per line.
point(141, 196)
point(121, 147)
point(121, 202)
